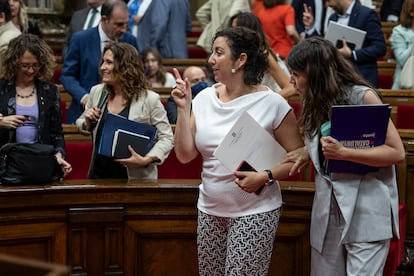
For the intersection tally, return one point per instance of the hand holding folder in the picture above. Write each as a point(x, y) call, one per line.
point(115, 122)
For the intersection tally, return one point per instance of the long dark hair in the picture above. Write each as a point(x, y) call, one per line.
point(330, 76)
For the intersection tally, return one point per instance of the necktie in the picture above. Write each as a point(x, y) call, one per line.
point(92, 19)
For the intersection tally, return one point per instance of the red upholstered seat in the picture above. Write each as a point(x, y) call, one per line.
point(396, 252)
point(56, 76)
point(385, 81)
point(197, 52)
point(297, 108)
point(63, 110)
point(78, 154)
point(405, 116)
point(172, 168)
point(194, 34)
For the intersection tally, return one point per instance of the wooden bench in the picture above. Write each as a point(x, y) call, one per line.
point(386, 67)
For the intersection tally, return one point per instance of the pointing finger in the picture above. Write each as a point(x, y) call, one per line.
point(177, 74)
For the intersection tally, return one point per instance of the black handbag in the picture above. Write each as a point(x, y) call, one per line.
point(22, 163)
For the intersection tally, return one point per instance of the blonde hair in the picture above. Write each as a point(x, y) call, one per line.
point(22, 17)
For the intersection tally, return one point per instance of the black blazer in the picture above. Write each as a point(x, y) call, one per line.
point(374, 46)
point(298, 7)
point(50, 118)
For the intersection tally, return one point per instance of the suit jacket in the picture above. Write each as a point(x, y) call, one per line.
point(172, 39)
point(215, 14)
point(389, 7)
point(8, 31)
point(81, 66)
point(298, 6)
point(374, 46)
point(368, 203)
point(76, 24)
point(164, 27)
point(147, 109)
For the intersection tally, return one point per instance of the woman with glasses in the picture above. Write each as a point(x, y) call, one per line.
point(29, 104)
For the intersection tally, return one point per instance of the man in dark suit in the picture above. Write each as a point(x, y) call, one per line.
point(390, 10)
point(82, 20)
point(164, 26)
point(304, 9)
point(355, 15)
point(81, 64)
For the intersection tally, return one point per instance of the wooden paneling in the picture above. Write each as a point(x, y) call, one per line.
point(118, 227)
point(16, 266)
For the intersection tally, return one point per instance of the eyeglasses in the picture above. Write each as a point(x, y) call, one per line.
point(27, 66)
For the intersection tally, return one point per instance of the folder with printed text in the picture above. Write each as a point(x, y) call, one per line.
point(358, 126)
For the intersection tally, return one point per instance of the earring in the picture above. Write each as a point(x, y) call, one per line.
point(233, 70)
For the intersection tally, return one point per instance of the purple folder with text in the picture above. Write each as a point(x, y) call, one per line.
point(358, 126)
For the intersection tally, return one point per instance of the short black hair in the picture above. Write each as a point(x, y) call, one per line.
point(109, 6)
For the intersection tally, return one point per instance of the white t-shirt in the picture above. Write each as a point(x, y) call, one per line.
point(169, 80)
point(219, 195)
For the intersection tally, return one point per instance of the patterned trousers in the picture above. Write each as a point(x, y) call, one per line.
point(236, 246)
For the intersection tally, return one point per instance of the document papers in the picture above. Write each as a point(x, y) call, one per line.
point(336, 32)
point(249, 141)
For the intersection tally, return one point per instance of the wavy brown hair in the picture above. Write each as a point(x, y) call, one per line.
point(330, 76)
point(160, 75)
point(406, 19)
point(33, 44)
point(128, 67)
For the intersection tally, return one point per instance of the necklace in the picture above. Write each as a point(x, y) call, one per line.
point(26, 96)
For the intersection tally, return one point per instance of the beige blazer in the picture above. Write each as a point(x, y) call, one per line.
point(147, 110)
point(215, 15)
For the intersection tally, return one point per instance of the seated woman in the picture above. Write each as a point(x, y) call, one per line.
point(30, 105)
point(124, 92)
point(156, 75)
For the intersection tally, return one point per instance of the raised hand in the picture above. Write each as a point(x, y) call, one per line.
point(181, 93)
point(307, 17)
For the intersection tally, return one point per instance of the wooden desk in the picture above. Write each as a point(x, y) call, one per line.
point(116, 227)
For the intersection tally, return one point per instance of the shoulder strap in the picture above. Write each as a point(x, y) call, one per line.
point(102, 98)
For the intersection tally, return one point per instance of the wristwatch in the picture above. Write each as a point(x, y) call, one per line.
point(270, 179)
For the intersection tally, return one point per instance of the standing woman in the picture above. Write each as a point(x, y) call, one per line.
point(30, 105)
point(402, 39)
point(21, 19)
point(124, 92)
point(278, 22)
point(354, 216)
point(236, 227)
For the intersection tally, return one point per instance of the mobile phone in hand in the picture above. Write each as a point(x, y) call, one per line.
point(246, 167)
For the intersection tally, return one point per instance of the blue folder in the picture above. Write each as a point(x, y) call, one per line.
point(113, 122)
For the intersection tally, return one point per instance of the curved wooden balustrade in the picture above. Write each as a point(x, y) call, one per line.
point(119, 227)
